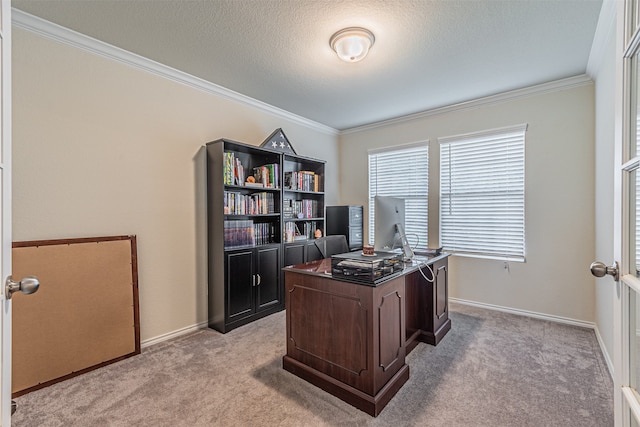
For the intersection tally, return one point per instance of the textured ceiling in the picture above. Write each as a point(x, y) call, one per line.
point(427, 54)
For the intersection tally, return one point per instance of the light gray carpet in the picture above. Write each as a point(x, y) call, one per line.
point(492, 369)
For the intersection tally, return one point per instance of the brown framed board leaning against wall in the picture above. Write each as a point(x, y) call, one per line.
point(85, 314)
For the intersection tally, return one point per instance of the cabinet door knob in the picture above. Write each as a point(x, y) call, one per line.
point(259, 280)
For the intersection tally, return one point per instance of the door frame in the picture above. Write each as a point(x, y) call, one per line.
point(626, 402)
point(5, 212)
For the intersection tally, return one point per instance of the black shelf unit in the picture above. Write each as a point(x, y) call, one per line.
point(247, 227)
point(303, 186)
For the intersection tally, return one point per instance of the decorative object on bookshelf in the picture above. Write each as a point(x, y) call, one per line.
point(317, 234)
point(279, 142)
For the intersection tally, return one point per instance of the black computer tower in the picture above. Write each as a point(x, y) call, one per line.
point(346, 220)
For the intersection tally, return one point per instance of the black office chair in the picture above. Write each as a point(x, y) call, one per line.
point(313, 251)
point(331, 245)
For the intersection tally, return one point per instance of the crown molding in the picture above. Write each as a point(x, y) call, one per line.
point(604, 30)
point(554, 86)
point(46, 29)
point(43, 28)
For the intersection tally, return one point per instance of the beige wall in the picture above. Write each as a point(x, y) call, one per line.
point(559, 185)
point(103, 148)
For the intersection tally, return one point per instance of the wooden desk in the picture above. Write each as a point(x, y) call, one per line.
point(351, 339)
point(427, 303)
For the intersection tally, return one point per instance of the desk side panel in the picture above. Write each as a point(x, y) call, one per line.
point(329, 324)
point(389, 323)
point(352, 333)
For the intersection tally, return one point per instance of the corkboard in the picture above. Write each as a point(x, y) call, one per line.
point(84, 315)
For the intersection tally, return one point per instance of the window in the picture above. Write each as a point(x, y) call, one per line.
point(482, 193)
point(402, 172)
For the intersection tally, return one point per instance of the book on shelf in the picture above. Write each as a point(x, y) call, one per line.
point(236, 203)
point(239, 233)
point(264, 233)
point(268, 175)
point(305, 208)
point(239, 173)
point(309, 228)
point(233, 172)
point(287, 208)
point(290, 232)
point(227, 170)
point(302, 181)
point(293, 233)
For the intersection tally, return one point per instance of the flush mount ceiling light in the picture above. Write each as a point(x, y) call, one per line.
point(352, 44)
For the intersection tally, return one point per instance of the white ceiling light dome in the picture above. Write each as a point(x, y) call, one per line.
point(352, 44)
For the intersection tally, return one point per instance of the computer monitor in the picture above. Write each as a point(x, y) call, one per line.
point(389, 228)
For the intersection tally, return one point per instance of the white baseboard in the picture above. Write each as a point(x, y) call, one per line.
point(605, 353)
point(175, 334)
point(558, 319)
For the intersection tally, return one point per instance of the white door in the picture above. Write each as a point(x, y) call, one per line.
point(5, 208)
point(626, 233)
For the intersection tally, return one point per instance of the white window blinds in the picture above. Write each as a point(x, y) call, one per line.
point(402, 172)
point(482, 193)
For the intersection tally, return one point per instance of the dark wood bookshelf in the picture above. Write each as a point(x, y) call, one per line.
point(244, 280)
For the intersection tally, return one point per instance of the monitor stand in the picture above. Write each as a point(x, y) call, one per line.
point(406, 248)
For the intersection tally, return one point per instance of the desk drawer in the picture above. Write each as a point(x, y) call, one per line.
point(355, 215)
point(355, 238)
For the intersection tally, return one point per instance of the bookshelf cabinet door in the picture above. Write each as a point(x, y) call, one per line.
point(239, 284)
point(268, 269)
point(294, 253)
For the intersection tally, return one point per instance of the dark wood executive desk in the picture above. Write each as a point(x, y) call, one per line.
point(351, 339)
